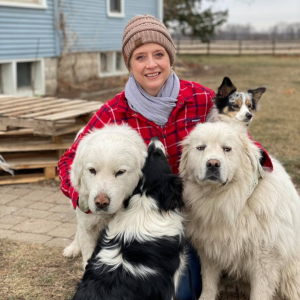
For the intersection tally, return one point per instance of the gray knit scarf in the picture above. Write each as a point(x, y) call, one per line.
point(156, 109)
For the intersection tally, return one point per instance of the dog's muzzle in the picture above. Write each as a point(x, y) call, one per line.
point(102, 201)
point(213, 170)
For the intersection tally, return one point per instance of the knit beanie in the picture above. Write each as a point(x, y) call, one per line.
point(146, 29)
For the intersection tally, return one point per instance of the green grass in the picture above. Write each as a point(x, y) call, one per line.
point(276, 125)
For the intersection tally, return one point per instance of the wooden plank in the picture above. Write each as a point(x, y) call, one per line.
point(45, 101)
point(20, 102)
point(45, 107)
point(21, 131)
point(57, 108)
point(50, 172)
point(72, 113)
point(14, 122)
point(3, 127)
point(17, 179)
point(34, 146)
point(43, 127)
point(4, 97)
point(69, 129)
point(32, 163)
point(12, 99)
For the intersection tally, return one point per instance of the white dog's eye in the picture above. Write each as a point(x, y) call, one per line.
point(226, 149)
point(235, 106)
point(201, 148)
point(92, 171)
point(120, 172)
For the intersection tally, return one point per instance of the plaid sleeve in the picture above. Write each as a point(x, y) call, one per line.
point(102, 117)
point(267, 162)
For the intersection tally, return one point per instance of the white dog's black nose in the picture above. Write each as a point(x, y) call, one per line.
point(102, 201)
point(213, 165)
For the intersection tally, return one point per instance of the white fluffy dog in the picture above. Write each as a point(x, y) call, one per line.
point(249, 228)
point(106, 169)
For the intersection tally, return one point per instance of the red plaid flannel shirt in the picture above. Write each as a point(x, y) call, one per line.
point(193, 105)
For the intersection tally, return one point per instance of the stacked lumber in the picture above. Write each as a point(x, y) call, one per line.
point(35, 132)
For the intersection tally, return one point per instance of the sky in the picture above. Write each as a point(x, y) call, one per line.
point(261, 14)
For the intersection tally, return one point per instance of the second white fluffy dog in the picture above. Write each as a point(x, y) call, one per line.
point(249, 229)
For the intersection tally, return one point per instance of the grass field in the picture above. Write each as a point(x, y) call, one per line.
point(38, 272)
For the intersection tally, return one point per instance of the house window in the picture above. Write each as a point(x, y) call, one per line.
point(112, 64)
point(25, 3)
point(115, 8)
point(24, 75)
point(106, 62)
point(119, 61)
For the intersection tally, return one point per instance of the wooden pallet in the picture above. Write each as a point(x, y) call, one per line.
point(45, 116)
point(35, 132)
point(43, 162)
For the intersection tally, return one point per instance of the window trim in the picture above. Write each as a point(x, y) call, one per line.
point(113, 14)
point(114, 71)
point(41, 5)
point(10, 84)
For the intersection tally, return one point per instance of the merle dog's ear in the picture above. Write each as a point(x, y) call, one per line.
point(171, 193)
point(226, 88)
point(256, 95)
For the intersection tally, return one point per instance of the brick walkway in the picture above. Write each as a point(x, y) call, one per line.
point(36, 214)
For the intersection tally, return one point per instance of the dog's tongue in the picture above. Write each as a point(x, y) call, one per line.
point(83, 205)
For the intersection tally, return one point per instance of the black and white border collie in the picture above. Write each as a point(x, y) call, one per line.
point(141, 253)
point(229, 104)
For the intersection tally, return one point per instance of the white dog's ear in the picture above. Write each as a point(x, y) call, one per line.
point(184, 158)
point(77, 170)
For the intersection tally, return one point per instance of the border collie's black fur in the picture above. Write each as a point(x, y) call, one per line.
point(140, 254)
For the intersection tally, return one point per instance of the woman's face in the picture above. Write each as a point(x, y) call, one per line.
point(150, 66)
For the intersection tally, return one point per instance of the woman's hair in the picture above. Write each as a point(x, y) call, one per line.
point(145, 29)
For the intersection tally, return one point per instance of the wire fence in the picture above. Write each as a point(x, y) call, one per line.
point(241, 47)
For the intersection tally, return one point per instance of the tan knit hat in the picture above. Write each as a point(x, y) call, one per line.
point(146, 29)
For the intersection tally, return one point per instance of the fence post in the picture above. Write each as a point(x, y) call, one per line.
point(274, 46)
point(240, 47)
point(208, 49)
point(178, 44)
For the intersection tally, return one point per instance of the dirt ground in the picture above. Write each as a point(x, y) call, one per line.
point(38, 272)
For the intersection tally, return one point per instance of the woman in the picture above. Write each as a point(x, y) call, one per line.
point(155, 103)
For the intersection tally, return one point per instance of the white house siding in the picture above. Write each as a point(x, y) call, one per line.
point(27, 33)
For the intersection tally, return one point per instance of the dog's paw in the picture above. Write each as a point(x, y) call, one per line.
point(72, 250)
point(207, 296)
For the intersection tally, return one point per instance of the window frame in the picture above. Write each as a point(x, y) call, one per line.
point(112, 68)
point(42, 4)
point(114, 14)
point(9, 76)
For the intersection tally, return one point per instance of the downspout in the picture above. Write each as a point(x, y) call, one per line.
point(56, 27)
point(160, 10)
